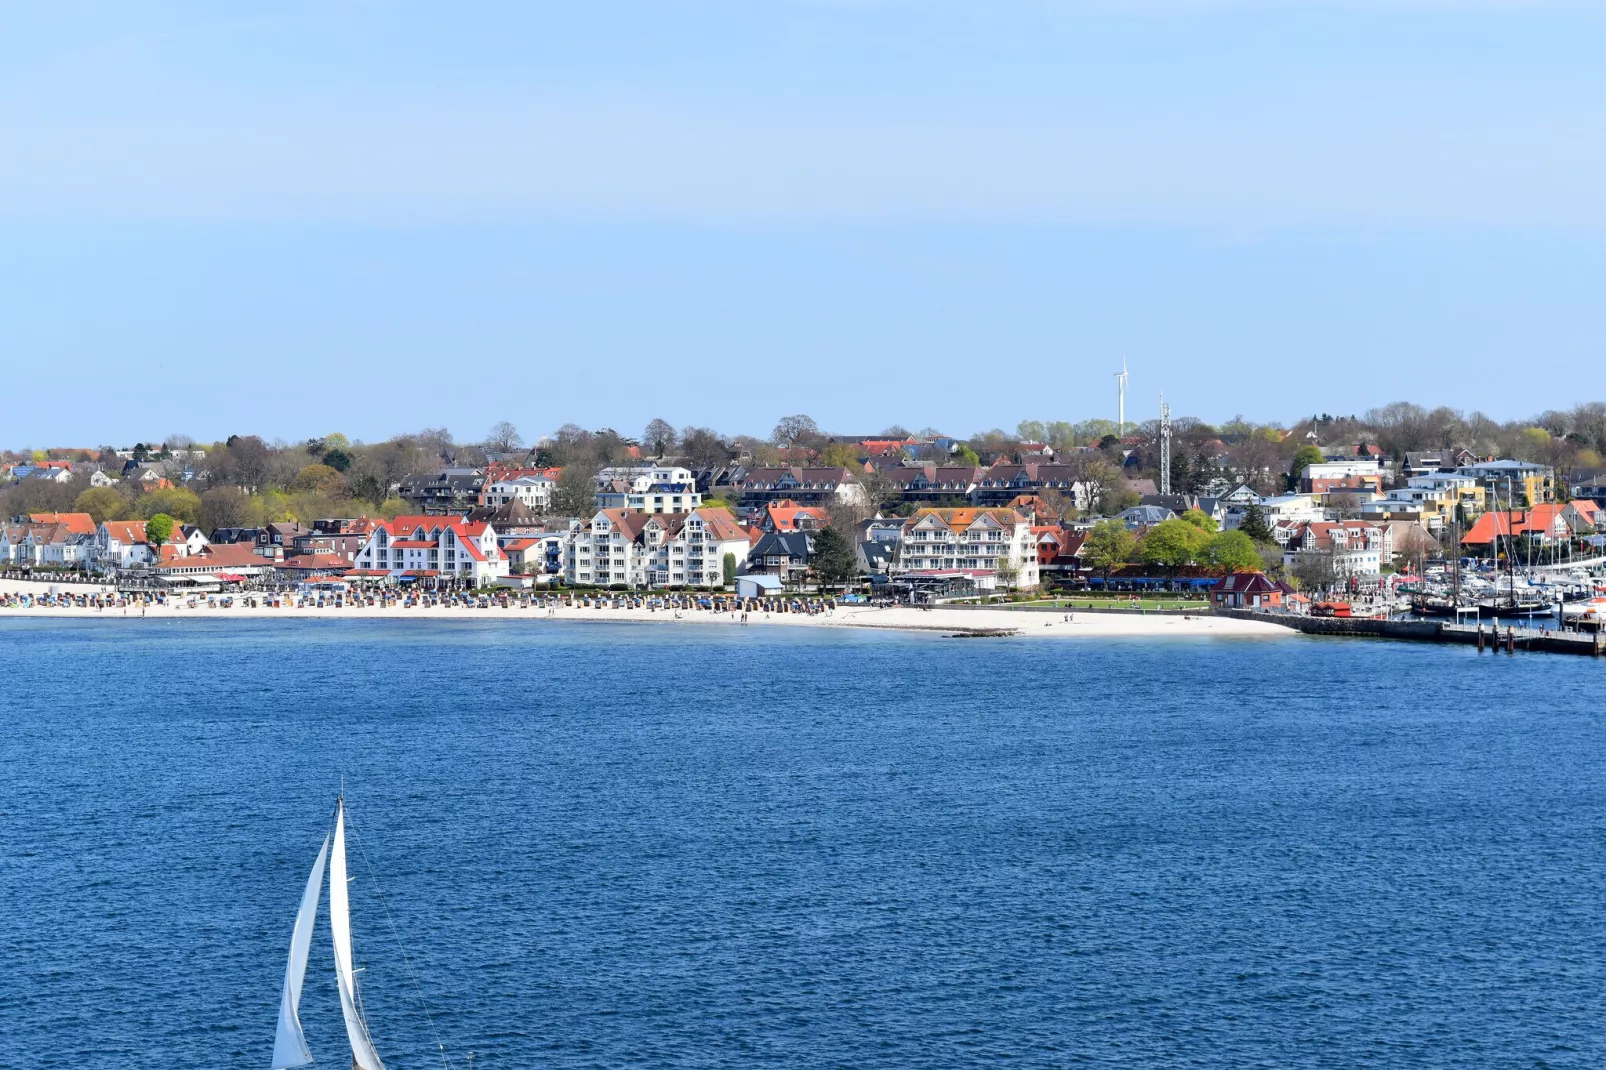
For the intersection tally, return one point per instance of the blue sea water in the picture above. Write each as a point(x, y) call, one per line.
point(643, 846)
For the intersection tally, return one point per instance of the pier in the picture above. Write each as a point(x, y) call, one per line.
point(1496, 637)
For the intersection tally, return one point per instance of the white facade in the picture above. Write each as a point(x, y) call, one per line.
point(533, 491)
point(976, 541)
point(693, 553)
point(1292, 508)
point(648, 489)
point(654, 549)
point(1358, 548)
point(605, 551)
point(121, 544)
point(1353, 466)
point(448, 547)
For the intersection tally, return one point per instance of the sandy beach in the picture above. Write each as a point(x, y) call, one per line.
point(1026, 623)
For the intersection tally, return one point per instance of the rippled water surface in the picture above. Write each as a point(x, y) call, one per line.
point(648, 846)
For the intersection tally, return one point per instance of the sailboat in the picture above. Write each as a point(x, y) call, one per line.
point(290, 1044)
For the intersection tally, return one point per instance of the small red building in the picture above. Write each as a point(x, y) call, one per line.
point(1245, 590)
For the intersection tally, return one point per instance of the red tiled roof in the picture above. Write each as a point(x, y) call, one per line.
point(77, 523)
point(310, 562)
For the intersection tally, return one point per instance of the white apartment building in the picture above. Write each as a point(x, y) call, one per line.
point(648, 489)
point(448, 547)
point(534, 491)
point(1358, 548)
point(655, 549)
point(1291, 509)
point(978, 542)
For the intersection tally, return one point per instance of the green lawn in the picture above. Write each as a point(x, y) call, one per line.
point(1107, 602)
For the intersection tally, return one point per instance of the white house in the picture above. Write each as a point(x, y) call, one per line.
point(123, 544)
point(534, 491)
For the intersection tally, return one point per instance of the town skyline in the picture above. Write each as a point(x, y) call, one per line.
point(1415, 424)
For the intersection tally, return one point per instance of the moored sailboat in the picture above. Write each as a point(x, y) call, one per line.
point(290, 1044)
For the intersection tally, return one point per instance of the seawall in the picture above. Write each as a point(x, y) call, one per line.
point(1432, 631)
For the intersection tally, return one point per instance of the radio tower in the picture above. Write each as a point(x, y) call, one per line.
point(1165, 446)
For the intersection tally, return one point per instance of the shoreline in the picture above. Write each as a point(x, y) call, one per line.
point(1019, 623)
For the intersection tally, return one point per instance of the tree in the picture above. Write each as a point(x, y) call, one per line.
point(1345, 504)
point(1099, 479)
point(878, 490)
point(321, 479)
point(576, 492)
point(159, 528)
point(337, 458)
point(504, 438)
point(834, 561)
point(1172, 544)
point(1108, 544)
point(244, 461)
point(1303, 457)
point(1233, 551)
point(839, 455)
point(1414, 546)
point(224, 507)
point(965, 456)
point(1314, 570)
point(703, 448)
point(659, 437)
point(180, 503)
point(1254, 523)
point(101, 503)
point(728, 568)
point(1058, 505)
point(436, 442)
point(797, 430)
point(1199, 519)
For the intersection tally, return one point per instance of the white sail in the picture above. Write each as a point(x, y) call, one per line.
point(290, 1044)
point(362, 1047)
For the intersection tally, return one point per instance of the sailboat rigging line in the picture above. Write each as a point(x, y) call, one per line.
point(396, 935)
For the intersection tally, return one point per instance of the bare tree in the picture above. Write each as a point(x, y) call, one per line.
point(504, 438)
point(576, 492)
point(797, 430)
point(1346, 505)
point(701, 447)
point(1315, 570)
point(1414, 547)
point(659, 437)
point(1099, 478)
point(436, 441)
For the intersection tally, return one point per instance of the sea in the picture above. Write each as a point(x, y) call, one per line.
point(581, 845)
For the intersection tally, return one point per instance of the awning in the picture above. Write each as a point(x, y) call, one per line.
point(230, 577)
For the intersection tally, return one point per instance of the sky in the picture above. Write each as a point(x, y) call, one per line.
point(293, 218)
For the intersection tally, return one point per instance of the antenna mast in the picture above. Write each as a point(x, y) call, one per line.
point(1120, 410)
point(1165, 446)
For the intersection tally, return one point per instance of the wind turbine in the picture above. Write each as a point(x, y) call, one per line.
point(1120, 390)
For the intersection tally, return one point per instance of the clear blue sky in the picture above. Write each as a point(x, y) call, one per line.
point(288, 218)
